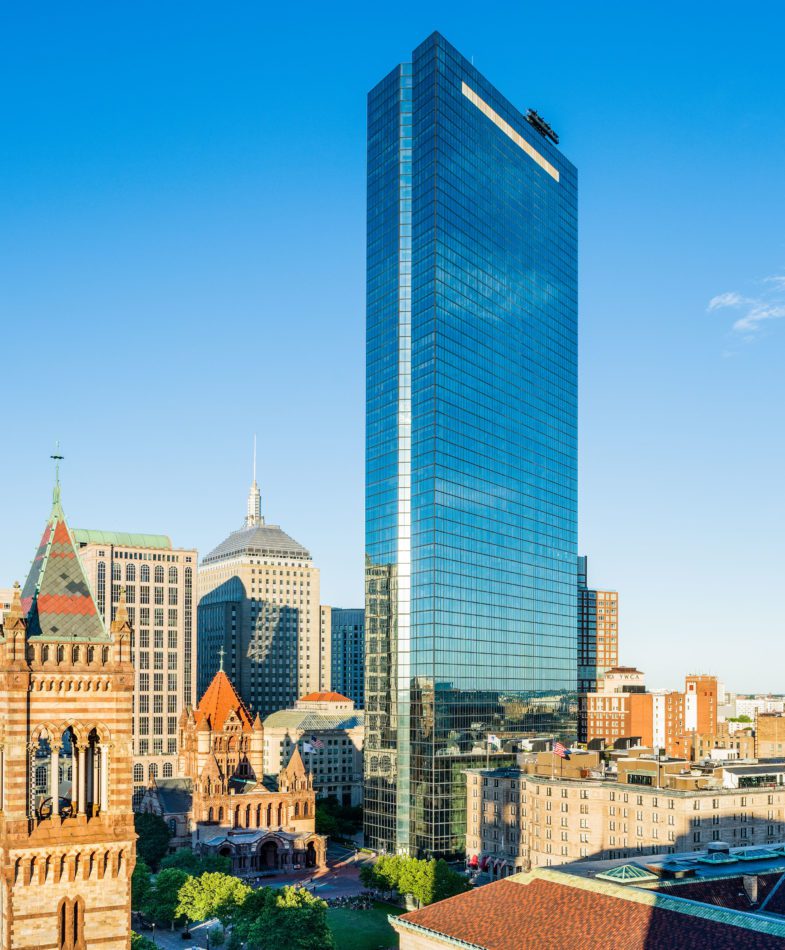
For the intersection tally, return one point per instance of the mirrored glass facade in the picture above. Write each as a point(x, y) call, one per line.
point(471, 451)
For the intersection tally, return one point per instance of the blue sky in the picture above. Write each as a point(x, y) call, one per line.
point(182, 265)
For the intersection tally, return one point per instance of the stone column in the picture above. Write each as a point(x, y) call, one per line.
point(54, 778)
point(104, 777)
point(90, 777)
point(82, 777)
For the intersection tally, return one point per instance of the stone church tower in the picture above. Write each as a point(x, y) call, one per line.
point(67, 841)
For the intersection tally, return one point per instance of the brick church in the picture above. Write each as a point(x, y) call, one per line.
point(67, 835)
point(224, 803)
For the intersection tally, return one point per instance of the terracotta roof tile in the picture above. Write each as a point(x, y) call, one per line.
point(219, 700)
point(548, 910)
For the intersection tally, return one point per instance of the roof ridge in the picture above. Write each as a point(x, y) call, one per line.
point(656, 899)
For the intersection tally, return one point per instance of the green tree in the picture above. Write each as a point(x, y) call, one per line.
point(140, 884)
point(290, 917)
point(211, 895)
point(138, 942)
point(160, 902)
point(217, 936)
point(447, 883)
point(186, 860)
point(154, 837)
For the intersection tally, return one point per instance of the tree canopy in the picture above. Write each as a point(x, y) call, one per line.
point(154, 837)
point(426, 881)
point(211, 895)
point(140, 884)
point(290, 917)
point(160, 902)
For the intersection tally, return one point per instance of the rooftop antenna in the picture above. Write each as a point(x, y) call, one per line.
point(254, 456)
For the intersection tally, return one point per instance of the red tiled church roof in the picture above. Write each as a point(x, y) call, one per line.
point(56, 598)
point(551, 910)
point(328, 697)
point(219, 700)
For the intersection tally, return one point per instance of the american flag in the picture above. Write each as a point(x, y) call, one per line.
point(561, 750)
point(316, 742)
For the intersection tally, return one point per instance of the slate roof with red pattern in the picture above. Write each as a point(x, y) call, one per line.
point(219, 700)
point(56, 598)
point(548, 915)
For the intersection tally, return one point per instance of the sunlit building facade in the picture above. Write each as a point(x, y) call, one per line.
point(471, 442)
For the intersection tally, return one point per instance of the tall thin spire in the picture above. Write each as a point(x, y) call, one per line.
point(253, 514)
point(57, 458)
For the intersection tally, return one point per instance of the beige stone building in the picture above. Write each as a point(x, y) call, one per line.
point(519, 819)
point(329, 734)
point(67, 840)
point(259, 603)
point(160, 589)
point(769, 735)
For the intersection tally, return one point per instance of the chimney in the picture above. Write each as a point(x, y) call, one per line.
point(751, 887)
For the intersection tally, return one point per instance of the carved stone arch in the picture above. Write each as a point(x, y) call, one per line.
point(102, 731)
point(46, 730)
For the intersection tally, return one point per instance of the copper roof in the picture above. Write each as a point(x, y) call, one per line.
point(328, 697)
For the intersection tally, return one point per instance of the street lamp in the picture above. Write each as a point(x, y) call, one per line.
point(154, 933)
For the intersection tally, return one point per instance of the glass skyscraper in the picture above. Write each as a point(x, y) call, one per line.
point(471, 442)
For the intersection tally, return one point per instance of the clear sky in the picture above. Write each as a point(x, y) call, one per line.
point(182, 265)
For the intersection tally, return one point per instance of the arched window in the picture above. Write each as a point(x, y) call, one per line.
point(280, 814)
point(172, 827)
point(167, 769)
point(116, 571)
point(172, 575)
point(74, 654)
point(296, 809)
point(144, 574)
point(152, 770)
point(269, 816)
point(159, 574)
point(247, 816)
point(60, 653)
point(101, 588)
point(130, 572)
point(105, 655)
point(237, 817)
point(45, 654)
point(221, 813)
point(210, 813)
point(258, 816)
point(90, 654)
point(138, 772)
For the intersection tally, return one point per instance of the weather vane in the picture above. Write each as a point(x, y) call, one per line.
point(58, 458)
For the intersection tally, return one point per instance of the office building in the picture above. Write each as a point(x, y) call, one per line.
point(769, 735)
point(347, 635)
point(67, 839)
point(598, 639)
point(259, 609)
point(471, 438)
point(159, 582)
point(329, 734)
point(548, 814)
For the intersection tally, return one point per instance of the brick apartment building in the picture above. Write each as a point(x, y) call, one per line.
point(622, 707)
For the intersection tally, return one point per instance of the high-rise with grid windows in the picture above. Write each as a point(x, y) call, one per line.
point(471, 441)
point(259, 615)
point(160, 590)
